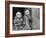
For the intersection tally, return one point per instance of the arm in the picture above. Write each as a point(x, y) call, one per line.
point(15, 22)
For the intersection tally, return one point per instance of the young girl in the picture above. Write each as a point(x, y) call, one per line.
point(27, 20)
point(18, 21)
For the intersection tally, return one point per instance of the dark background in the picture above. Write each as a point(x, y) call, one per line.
point(16, 9)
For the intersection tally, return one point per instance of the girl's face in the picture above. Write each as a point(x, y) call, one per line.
point(18, 15)
point(27, 12)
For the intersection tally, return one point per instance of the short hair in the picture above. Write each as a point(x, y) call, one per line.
point(18, 13)
point(29, 10)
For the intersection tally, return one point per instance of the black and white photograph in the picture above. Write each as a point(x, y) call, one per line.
point(23, 18)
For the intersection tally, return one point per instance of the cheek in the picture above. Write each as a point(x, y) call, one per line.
point(19, 15)
point(26, 12)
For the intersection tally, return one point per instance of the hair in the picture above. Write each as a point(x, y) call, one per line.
point(28, 9)
point(18, 13)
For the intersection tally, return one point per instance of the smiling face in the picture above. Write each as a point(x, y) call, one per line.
point(18, 14)
point(27, 12)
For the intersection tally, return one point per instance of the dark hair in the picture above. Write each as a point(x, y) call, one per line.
point(28, 9)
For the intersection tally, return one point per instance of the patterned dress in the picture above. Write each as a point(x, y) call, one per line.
point(18, 23)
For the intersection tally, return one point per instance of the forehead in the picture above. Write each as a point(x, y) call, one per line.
point(18, 13)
